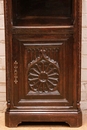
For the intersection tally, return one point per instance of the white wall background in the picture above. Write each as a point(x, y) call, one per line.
point(2, 60)
point(83, 54)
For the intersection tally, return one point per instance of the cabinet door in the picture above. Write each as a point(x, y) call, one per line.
point(42, 73)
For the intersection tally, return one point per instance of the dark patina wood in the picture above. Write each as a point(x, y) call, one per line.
point(43, 61)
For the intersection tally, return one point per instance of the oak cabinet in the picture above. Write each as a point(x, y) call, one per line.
point(43, 46)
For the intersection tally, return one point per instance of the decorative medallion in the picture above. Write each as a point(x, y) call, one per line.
point(43, 74)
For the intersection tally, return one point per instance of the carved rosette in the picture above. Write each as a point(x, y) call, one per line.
point(43, 74)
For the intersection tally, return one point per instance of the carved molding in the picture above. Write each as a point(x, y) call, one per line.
point(15, 72)
point(43, 74)
point(42, 31)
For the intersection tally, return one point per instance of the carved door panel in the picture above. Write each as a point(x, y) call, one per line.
point(43, 73)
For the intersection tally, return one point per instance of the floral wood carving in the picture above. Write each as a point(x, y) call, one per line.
point(43, 74)
point(15, 72)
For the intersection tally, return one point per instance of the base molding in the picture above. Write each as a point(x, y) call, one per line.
point(13, 118)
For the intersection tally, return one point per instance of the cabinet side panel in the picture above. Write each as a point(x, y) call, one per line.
point(8, 37)
point(79, 26)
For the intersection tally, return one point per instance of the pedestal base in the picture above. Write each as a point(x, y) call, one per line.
point(13, 118)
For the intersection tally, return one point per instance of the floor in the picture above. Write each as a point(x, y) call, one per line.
point(43, 127)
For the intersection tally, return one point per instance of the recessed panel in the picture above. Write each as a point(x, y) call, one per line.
point(42, 12)
point(46, 7)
